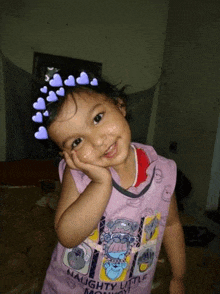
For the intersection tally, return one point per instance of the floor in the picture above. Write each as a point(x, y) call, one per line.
point(28, 239)
point(203, 268)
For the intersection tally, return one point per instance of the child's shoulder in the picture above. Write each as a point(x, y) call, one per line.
point(77, 174)
point(149, 150)
point(80, 179)
point(153, 155)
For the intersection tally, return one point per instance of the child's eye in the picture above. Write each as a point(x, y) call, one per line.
point(76, 142)
point(98, 117)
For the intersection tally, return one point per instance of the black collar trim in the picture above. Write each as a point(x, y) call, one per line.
point(130, 194)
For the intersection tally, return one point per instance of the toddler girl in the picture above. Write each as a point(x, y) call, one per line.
point(117, 201)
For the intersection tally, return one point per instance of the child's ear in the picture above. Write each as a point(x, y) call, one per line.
point(122, 107)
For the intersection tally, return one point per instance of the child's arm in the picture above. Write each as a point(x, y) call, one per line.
point(77, 214)
point(175, 247)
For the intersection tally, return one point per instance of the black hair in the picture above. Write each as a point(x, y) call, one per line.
point(109, 90)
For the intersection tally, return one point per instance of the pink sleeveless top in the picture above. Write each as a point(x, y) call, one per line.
point(120, 256)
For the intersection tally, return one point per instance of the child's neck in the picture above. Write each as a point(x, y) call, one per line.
point(127, 171)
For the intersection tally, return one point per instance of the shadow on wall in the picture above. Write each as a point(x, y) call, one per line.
point(139, 109)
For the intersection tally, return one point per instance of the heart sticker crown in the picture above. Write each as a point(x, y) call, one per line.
point(52, 96)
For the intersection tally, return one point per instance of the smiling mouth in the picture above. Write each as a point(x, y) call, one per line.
point(111, 151)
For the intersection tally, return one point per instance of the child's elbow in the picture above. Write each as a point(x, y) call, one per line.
point(65, 239)
point(66, 243)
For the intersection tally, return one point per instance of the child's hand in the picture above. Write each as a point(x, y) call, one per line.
point(95, 173)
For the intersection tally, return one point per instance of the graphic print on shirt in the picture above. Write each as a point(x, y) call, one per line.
point(167, 193)
point(116, 242)
point(158, 176)
point(146, 255)
point(83, 258)
point(118, 238)
point(78, 258)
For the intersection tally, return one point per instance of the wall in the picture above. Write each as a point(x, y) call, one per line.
point(126, 36)
point(213, 199)
point(189, 100)
point(2, 114)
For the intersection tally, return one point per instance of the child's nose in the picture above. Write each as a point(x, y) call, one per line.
point(98, 139)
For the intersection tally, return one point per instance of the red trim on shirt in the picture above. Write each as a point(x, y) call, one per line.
point(143, 163)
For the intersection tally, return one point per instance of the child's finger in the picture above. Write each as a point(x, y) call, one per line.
point(83, 166)
point(69, 160)
point(76, 161)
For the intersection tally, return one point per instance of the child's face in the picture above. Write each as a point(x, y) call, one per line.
point(95, 128)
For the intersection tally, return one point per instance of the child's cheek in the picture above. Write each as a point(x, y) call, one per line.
point(112, 128)
point(85, 155)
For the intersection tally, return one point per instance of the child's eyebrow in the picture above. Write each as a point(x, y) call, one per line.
point(89, 113)
point(93, 108)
